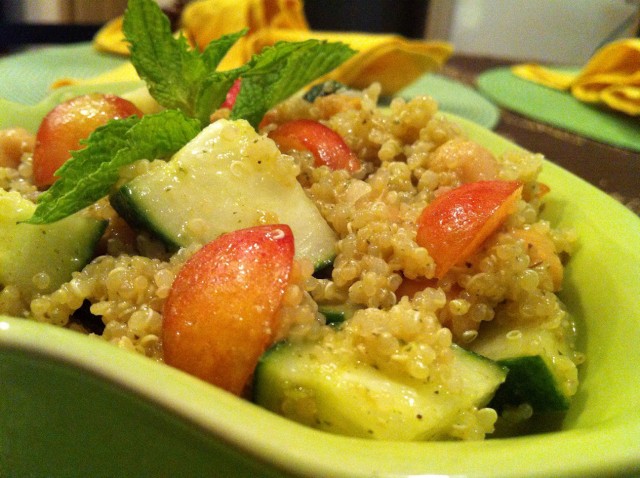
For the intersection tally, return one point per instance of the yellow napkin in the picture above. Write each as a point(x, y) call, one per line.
point(110, 38)
point(209, 19)
point(391, 60)
point(611, 76)
point(206, 20)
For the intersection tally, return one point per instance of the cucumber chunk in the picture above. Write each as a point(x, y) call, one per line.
point(337, 313)
point(52, 251)
point(541, 372)
point(530, 380)
point(353, 399)
point(229, 177)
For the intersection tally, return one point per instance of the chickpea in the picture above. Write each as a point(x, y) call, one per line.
point(14, 142)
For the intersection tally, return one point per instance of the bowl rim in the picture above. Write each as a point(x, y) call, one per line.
point(612, 444)
point(238, 423)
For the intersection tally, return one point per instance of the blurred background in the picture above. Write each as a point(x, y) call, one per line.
point(555, 31)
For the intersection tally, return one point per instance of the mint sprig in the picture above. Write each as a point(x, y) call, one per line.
point(92, 171)
point(175, 74)
point(280, 71)
point(181, 77)
point(185, 81)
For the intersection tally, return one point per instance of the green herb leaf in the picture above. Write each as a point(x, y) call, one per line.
point(177, 76)
point(280, 71)
point(92, 171)
point(213, 92)
point(183, 80)
point(180, 77)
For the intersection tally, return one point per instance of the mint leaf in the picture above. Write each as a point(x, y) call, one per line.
point(213, 92)
point(279, 71)
point(92, 171)
point(183, 80)
point(178, 77)
point(217, 49)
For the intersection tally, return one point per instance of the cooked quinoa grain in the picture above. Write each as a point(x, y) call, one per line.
point(406, 319)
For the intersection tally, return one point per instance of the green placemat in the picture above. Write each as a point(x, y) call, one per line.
point(455, 97)
point(560, 109)
point(26, 77)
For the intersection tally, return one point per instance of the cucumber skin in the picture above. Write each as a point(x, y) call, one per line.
point(529, 380)
point(124, 204)
point(268, 389)
point(337, 313)
point(532, 378)
point(323, 264)
point(128, 209)
point(226, 175)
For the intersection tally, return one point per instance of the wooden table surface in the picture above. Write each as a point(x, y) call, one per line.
point(614, 170)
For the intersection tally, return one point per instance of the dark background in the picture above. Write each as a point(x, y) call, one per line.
point(405, 17)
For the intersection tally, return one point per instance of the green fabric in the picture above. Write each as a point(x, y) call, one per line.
point(455, 97)
point(560, 109)
point(26, 77)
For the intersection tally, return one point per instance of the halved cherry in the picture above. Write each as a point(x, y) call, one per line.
point(65, 125)
point(327, 146)
point(454, 225)
point(221, 312)
point(232, 94)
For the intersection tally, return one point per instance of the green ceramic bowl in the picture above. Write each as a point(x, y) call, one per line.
point(72, 405)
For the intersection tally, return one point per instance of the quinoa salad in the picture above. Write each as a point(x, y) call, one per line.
point(379, 328)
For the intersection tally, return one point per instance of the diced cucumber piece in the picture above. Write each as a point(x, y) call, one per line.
point(530, 380)
point(354, 399)
point(541, 372)
point(51, 252)
point(325, 88)
point(228, 177)
point(337, 313)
